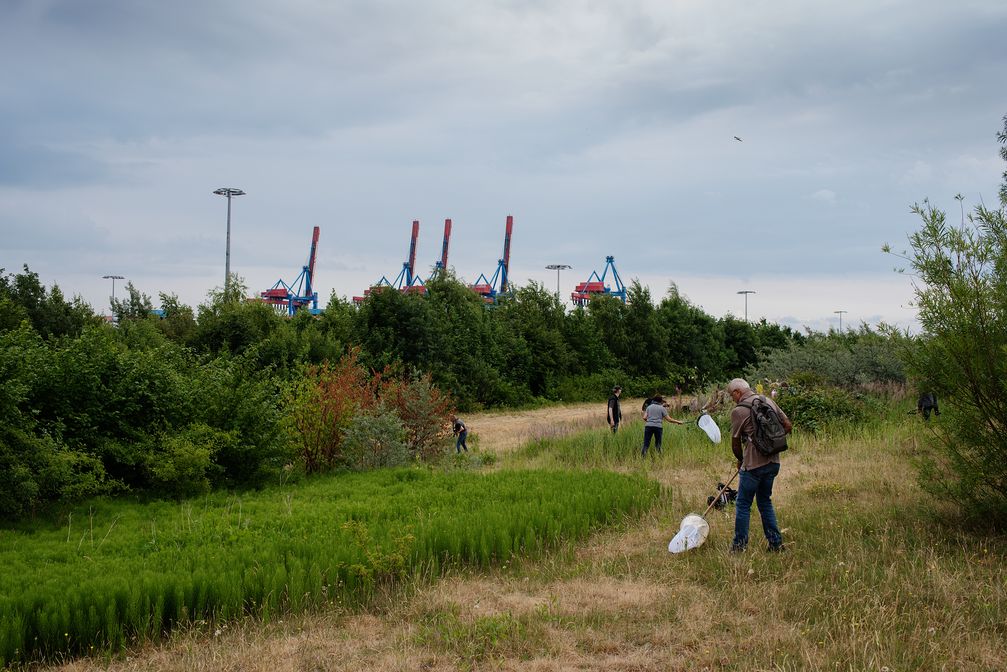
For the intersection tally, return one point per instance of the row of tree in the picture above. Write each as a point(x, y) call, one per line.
point(526, 348)
point(233, 393)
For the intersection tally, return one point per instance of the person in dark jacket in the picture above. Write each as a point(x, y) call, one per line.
point(927, 402)
point(614, 410)
point(461, 431)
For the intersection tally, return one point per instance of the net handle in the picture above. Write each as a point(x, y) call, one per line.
point(722, 490)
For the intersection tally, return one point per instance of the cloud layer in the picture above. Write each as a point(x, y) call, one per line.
point(605, 129)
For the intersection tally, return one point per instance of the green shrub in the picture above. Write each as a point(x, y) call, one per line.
point(424, 410)
point(961, 296)
point(815, 408)
point(850, 360)
point(376, 438)
point(184, 464)
point(36, 471)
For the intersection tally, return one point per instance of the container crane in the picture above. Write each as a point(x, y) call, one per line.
point(406, 280)
point(488, 288)
point(300, 293)
point(595, 285)
point(442, 263)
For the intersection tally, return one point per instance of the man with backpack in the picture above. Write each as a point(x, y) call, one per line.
point(759, 431)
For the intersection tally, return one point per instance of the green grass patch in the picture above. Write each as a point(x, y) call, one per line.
point(682, 445)
point(116, 573)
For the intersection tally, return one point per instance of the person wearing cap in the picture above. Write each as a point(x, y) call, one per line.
point(614, 410)
point(653, 419)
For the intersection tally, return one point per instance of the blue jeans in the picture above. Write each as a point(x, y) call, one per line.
point(460, 443)
point(648, 432)
point(756, 484)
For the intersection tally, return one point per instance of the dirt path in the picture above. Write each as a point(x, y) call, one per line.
point(503, 431)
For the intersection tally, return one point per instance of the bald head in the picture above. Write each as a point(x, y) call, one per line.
point(737, 385)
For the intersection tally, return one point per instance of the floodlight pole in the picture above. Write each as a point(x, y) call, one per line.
point(840, 314)
point(228, 192)
point(558, 268)
point(113, 278)
point(746, 292)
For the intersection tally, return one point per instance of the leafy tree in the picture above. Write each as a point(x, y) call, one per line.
point(424, 412)
point(609, 317)
point(961, 296)
point(468, 352)
point(849, 360)
point(695, 339)
point(394, 327)
point(178, 322)
point(538, 354)
point(228, 323)
point(740, 345)
point(321, 405)
point(647, 348)
point(136, 305)
point(583, 337)
point(772, 336)
point(23, 296)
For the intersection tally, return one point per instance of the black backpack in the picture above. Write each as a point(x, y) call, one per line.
point(770, 435)
point(727, 496)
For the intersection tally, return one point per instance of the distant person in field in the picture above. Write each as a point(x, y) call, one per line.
point(653, 423)
point(926, 403)
point(614, 410)
point(757, 471)
point(461, 431)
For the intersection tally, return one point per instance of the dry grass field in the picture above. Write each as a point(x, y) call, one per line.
point(869, 582)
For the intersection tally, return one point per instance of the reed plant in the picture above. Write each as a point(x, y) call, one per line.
point(115, 573)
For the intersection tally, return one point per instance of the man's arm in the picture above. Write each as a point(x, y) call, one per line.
point(737, 447)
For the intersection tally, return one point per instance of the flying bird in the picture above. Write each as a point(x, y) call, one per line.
point(738, 139)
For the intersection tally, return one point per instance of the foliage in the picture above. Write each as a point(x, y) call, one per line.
point(180, 464)
point(178, 322)
point(136, 305)
point(813, 409)
point(373, 439)
point(960, 291)
point(961, 297)
point(423, 410)
point(321, 405)
point(24, 297)
point(114, 574)
point(851, 359)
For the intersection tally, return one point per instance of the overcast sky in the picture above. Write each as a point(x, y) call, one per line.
point(604, 128)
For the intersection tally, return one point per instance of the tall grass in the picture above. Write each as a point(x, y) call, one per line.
point(601, 449)
point(875, 577)
point(117, 573)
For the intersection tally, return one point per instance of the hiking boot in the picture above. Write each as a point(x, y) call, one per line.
point(779, 548)
point(736, 549)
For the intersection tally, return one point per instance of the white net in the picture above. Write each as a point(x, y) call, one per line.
point(707, 424)
point(691, 534)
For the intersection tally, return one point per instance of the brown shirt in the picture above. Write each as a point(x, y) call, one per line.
point(742, 428)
